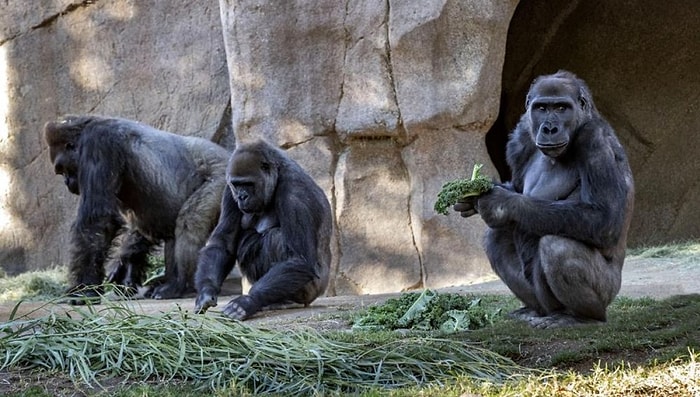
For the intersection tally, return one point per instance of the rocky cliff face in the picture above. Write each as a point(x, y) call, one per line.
point(162, 63)
point(382, 102)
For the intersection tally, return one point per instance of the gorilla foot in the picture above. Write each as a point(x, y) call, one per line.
point(241, 308)
point(560, 320)
point(169, 290)
point(125, 291)
point(83, 295)
point(524, 314)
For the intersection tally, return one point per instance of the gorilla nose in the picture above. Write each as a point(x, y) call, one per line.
point(242, 196)
point(549, 130)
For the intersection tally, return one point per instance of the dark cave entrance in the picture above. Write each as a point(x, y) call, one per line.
point(640, 60)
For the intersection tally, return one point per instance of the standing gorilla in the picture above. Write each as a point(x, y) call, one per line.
point(558, 230)
point(166, 187)
point(277, 223)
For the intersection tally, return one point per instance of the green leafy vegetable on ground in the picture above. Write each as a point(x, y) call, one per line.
point(428, 311)
point(456, 190)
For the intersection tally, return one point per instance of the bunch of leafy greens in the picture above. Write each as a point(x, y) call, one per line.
point(427, 311)
point(453, 191)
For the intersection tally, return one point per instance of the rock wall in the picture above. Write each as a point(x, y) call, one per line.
point(381, 101)
point(162, 63)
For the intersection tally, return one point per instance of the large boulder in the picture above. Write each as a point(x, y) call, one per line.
point(162, 63)
point(383, 102)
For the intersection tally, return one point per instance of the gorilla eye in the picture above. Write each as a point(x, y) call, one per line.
point(265, 167)
point(70, 146)
point(540, 108)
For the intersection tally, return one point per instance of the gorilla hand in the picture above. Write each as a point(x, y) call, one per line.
point(241, 308)
point(204, 301)
point(466, 206)
point(123, 277)
point(495, 206)
point(118, 273)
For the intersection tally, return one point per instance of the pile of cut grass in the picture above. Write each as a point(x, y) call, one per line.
point(679, 250)
point(34, 286)
point(90, 344)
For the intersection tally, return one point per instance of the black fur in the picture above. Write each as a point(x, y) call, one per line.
point(558, 230)
point(162, 186)
point(276, 222)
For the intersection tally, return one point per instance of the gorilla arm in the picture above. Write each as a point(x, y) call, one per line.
point(595, 214)
point(98, 220)
point(217, 258)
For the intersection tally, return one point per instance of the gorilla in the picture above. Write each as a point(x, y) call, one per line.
point(151, 186)
point(276, 222)
point(557, 231)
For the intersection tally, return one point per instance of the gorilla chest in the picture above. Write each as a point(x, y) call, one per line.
point(261, 222)
point(548, 179)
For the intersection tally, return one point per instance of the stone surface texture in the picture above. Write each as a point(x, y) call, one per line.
point(382, 102)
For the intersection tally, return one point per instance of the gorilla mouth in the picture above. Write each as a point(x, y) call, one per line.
point(71, 182)
point(552, 149)
point(249, 208)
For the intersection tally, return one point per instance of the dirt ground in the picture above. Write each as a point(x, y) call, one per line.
point(657, 278)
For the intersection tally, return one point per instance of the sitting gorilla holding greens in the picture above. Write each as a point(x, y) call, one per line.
point(558, 230)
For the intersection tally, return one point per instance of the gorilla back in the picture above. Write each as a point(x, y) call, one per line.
point(165, 187)
point(276, 222)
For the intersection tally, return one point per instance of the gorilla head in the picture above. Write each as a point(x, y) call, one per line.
point(557, 105)
point(252, 178)
point(64, 149)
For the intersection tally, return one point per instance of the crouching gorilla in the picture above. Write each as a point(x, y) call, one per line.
point(558, 230)
point(165, 187)
point(276, 222)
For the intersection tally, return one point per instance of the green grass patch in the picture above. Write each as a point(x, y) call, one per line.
point(91, 344)
point(49, 284)
point(638, 330)
point(647, 346)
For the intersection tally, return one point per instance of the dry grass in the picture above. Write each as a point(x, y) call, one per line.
point(213, 353)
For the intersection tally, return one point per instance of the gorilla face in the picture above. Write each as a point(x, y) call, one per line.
point(252, 180)
point(64, 154)
point(553, 110)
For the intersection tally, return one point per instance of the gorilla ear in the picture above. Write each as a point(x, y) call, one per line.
point(528, 97)
point(585, 100)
